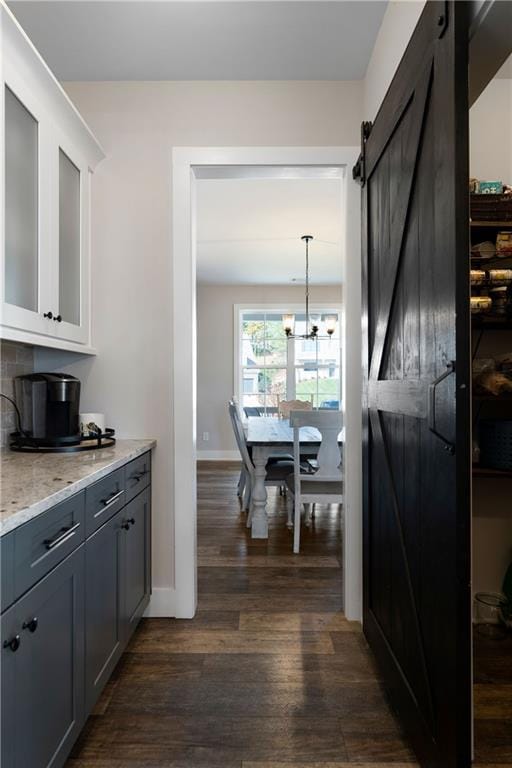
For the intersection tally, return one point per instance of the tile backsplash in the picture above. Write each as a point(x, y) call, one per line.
point(15, 360)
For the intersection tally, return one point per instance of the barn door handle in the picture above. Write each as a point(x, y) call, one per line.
point(448, 446)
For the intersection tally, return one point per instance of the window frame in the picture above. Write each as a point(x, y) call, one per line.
point(238, 312)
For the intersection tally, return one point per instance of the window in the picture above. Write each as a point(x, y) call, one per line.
point(271, 367)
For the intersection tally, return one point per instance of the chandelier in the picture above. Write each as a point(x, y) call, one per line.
point(313, 321)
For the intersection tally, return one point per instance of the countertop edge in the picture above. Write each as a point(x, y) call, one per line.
point(23, 516)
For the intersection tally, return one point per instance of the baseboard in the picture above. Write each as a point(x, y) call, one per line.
point(218, 456)
point(162, 603)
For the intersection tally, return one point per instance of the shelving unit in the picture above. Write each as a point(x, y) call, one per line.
point(493, 398)
point(492, 473)
point(492, 224)
point(491, 323)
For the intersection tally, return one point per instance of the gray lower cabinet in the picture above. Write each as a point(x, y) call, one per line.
point(43, 669)
point(69, 608)
point(117, 589)
point(103, 606)
point(136, 561)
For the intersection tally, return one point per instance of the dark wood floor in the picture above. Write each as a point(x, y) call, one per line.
point(493, 700)
point(268, 675)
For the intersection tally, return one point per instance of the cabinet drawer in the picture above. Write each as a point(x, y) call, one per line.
point(42, 543)
point(104, 499)
point(138, 475)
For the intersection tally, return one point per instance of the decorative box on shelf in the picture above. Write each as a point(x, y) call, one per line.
point(491, 207)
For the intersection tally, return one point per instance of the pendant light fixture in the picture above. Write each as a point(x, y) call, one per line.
point(313, 322)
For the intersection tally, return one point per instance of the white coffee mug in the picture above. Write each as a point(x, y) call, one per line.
point(92, 424)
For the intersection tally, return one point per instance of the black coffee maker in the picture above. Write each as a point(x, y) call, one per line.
point(49, 405)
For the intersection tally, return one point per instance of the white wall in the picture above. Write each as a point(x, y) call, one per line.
point(138, 124)
point(215, 350)
point(490, 130)
point(395, 32)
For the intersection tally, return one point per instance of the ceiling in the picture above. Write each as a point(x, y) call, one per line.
point(166, 40)
point(248, 230)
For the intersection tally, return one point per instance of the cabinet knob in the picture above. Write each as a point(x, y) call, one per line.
point(31, 625)
point(49, 315)
point(14, 643)
point(126, 526)
point(58, 318)
point(131, 521)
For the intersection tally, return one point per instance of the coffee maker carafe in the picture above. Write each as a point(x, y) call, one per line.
point(49, 404)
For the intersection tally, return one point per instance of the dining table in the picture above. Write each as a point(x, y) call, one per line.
point(268, 437)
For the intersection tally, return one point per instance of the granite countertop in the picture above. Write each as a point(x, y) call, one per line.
point(31, 483)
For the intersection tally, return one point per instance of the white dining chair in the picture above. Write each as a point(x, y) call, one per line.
point(287, 406)
point(276, 472)
point(325, 486)
point(244, 479)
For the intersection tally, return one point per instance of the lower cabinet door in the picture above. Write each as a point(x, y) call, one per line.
point(103, 608)
point(43, 669)
point(136, 581)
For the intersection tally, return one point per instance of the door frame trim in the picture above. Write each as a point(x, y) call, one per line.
point(185, 163)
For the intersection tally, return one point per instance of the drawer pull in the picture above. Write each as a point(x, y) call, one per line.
point(31, 625)
point(64, 535)
point(111, 499)
point(137, 477)
point(14, 643)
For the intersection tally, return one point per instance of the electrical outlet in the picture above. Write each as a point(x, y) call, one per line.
point(206, 437)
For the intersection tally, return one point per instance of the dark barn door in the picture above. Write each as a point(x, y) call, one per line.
point(413, 168)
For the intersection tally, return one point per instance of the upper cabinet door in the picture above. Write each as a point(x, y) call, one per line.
point(47, 157)
point(27, 246)
point(72, 251)
point(46, 261)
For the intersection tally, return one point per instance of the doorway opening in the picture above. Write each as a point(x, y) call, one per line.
point(191, 167)
point(251, 290)
point(490, 122)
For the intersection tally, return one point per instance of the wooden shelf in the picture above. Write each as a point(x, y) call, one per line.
point(494, 398)
point(482, 323)
point(479, 263)
point(494, 473)
point(488, 224)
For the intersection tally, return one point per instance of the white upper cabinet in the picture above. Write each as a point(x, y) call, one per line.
point(48, 158)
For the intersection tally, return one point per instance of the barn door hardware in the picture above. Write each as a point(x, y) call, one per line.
point(447, 445)
point(358, 171)
point(442, 20)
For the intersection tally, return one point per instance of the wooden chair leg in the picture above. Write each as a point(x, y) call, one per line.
point(296, 526)
point(248, 522)
point(289, 506)
point(246, 497)
point(241, 483)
